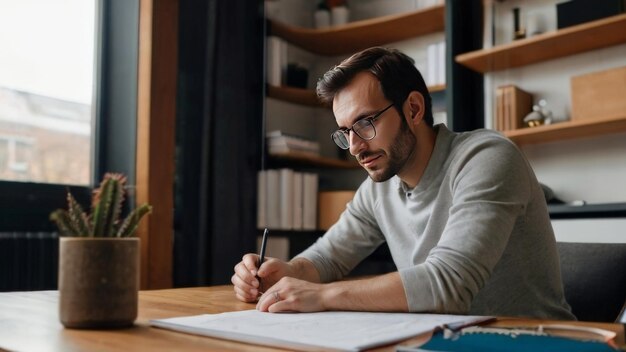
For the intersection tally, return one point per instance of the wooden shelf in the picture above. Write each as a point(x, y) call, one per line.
point(294, 95)
point(360, 35)
point(568, 130)
point(306, 159)
point(568, 41)
point(308, 97)
point(437, 88)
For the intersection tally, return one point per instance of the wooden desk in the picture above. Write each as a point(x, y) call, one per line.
point(29, 322)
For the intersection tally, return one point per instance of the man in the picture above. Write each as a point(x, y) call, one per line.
point(462, 213)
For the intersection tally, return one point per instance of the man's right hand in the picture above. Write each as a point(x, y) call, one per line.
point(246, 284)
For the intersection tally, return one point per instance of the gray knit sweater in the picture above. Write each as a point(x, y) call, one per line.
point(474, 236)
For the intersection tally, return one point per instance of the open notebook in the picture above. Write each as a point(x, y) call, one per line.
point(347, 331)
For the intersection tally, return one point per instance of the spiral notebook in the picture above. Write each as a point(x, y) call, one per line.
point(546, 338)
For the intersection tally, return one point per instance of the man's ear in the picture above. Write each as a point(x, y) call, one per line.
point(416, 106)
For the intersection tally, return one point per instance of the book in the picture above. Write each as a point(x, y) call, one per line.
point(261, 218)
point(286, 198)
point(344, 331)
point(309, 201)
point(298, 190)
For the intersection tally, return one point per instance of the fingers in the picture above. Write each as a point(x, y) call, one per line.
point(269, 299)
point(244, 280)
point(270, 266)
point(250, 262)
point(243, 291)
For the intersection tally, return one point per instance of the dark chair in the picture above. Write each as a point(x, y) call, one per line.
point(594, 279)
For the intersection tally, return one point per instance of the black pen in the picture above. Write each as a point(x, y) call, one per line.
point(261, 256)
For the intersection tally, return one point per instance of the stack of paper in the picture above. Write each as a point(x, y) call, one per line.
point(279, 142)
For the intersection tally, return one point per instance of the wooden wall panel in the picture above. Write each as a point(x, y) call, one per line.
point(156, 112)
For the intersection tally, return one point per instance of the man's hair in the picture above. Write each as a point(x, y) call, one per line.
point(395, 71)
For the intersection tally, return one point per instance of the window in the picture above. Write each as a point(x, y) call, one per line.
point(46, 90)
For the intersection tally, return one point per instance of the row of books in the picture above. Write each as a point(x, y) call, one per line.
point(512, 105)
point(287, 200)
point(279, 142)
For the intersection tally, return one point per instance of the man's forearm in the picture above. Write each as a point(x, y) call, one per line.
point(303, 269)
point(383, 293)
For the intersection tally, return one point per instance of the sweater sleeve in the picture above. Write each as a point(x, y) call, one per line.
point(489, 184)
point(355, 236)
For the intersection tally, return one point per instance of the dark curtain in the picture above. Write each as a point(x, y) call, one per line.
point(218, 137)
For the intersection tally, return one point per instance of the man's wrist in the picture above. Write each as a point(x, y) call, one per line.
point(331, 295)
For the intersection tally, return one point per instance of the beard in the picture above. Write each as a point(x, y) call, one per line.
point(399, 152)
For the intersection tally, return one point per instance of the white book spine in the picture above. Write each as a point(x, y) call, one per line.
point(441, 63)
point(286, 199)
point(273, 199)
point(431, 64)
point(274, 58)
point(310, 201)
point(298, 189)
point(261, 220)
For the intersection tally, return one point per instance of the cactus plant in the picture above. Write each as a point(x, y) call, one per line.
point(106, 209)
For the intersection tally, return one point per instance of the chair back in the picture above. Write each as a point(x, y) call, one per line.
point(594, 279)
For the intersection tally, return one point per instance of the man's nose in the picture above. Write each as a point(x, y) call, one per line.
point(357, 144)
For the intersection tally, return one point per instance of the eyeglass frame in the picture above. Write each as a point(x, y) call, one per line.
point(369, 120)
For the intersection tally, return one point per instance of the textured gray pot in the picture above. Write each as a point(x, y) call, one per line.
point(98, 282)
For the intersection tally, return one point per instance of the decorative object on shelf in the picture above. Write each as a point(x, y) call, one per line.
point(536, 23)
point(607, 87)
point(512, 104)
point(339, 13)
point(571, 13)
point(297, 75)
point(99, 259)
point(321, 17)
point(539, 116)
point(519, 32)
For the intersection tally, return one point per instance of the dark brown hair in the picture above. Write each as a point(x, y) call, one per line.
point(396, 72)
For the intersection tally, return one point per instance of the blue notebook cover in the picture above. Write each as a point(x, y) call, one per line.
point(487, 340)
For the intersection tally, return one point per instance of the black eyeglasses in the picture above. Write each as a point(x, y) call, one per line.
point(364, 128)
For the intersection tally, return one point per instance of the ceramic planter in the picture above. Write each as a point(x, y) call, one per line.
point(98, 282)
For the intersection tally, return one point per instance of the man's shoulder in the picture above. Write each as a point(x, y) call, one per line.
point(485, 140)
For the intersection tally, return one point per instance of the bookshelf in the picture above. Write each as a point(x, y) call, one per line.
point(356, 36)
point(568, 41)
point(567, 130)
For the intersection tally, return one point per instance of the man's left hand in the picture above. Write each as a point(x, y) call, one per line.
point(292, 295)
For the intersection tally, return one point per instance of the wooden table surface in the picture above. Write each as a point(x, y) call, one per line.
point(29, 321)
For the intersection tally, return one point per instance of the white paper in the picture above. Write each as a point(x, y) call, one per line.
point(346, 331)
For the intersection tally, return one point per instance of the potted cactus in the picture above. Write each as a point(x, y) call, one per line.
point(99, 259)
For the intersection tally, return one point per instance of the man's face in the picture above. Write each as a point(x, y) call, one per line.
point(388, 152)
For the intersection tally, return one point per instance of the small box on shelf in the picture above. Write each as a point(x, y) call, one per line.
point(599, 94)
point(331, 205)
